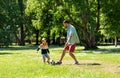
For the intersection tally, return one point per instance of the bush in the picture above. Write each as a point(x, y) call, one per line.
point(5, 39)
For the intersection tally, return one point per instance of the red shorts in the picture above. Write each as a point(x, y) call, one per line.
point(70, 48)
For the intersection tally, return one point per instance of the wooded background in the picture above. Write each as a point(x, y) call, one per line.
point(24, 21)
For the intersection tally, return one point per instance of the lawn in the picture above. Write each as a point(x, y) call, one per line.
point(24, 62)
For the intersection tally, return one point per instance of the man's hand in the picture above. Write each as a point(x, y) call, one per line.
point(66, 44)
point(68, 41)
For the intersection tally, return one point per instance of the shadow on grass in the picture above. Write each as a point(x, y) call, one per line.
point(100, 50)
point(91, 64)
point(33, 47)
point(103, 49)
point(6, 53)
point(19, 48)
point(109, 50)
point(88, 64)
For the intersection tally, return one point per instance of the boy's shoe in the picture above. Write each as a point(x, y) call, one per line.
point(58, 63)
point(76, 63)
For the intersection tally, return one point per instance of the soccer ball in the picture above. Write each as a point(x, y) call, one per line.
point(52, 62)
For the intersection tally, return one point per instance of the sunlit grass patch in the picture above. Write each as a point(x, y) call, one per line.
point(24, 62)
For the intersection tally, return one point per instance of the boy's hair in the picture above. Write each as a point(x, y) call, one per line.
point(46, 44)
point(65, 21)
point(43, 38)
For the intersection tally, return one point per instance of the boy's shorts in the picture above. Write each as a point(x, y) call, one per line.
point(45, 56)
point(70, 48)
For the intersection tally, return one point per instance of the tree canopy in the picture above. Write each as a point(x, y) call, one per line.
point(27, 20)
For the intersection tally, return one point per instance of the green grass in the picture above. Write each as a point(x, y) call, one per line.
point(24, 62)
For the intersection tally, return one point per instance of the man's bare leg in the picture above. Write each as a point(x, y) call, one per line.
point(73, 56)
point(62, 56)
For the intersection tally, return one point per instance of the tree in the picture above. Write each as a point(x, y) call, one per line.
point(22, 16)
point(7, 23)
point(13, 13)
point(111, 21)
point(34, 11)
point(85, 15)
point(40, 13)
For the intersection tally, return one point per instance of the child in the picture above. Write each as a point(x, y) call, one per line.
point(44, 50)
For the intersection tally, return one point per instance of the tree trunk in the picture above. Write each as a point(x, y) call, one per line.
point(53, 39)
point(37, 36)
point(48, 37)
point(21, 6)
point(22, 39)
point(115, 41)
point(90, 42)
point(98, 15)
point(88, 39)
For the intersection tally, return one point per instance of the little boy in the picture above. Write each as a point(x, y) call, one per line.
point(44, 50)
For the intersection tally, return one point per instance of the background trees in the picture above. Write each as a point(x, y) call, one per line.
point(44, 19)
point(8, 14)
point(12, 16)
point(29, 20)
point(87, 21)
point(110, 19)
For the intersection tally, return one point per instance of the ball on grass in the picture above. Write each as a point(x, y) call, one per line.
point(52, 62)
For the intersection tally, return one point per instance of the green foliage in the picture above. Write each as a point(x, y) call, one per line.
point(44, 18)
point(110, 18)
point(83, 15)
point(47, 16)
point(5, 38)
point(58, 31)
point(9, 17)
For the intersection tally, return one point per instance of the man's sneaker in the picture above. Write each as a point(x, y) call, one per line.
point(58, 63)
point(76, 63)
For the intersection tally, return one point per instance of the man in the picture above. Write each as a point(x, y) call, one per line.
point(72, 39)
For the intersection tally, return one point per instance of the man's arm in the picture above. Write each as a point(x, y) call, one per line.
point(69, 36)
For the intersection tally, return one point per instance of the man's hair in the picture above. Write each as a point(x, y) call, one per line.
point(65, 21)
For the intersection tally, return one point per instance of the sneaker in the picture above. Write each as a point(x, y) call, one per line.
point(76, 63)
point(58, 63)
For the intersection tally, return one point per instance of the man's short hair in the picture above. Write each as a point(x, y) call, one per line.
point(65, 21)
